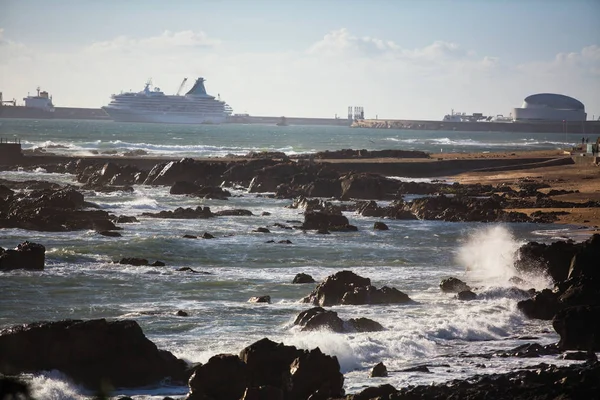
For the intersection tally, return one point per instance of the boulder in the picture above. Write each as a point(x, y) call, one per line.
point(94, 353)
point(268, 362)
point(365, 325)
point(303, 278)
point(553, 259)
point(316, 220)
point(380, 226)
point(133, 261)
point(318, 318)
point(368, 186)
point(371, 295)
point(379, 371)
point(183, 187)
point(453, 285)
point(386, 391)
point(183, 213)
point(315, 374)
point(27, 255)
point(542, 306)
point(466, 295)
point(233, 212)
point(578, 327)
point(331, 291)
point(223, 377)
point(260, 299)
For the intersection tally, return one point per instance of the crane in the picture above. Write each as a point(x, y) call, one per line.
point(181, 86)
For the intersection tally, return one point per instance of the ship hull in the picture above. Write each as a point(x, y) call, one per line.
point(120, 115)
point(24, 112)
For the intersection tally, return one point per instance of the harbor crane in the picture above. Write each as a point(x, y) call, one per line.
point(181, 86)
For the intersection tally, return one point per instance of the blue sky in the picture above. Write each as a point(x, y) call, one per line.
point(397, 58)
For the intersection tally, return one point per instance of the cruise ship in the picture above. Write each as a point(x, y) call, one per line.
point(152, 105)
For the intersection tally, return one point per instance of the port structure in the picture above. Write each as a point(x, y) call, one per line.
point(356, 113)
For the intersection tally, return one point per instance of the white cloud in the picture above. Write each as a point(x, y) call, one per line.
point(166, 41)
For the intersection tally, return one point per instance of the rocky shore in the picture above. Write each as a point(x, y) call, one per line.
point(103, 355)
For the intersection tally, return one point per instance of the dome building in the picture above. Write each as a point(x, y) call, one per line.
point(550, 107)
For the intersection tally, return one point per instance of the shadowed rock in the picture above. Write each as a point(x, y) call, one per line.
point(453, 285)
point(303, 278)
point(26, 255)
point(379, 371)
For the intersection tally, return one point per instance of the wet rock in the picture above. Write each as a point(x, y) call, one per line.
point(420, 368)
point(379, 371)
point(263, 393)
point(261, 230)
point(345, 287)
point(133, 261)
point(186, 170)
point(315, 375)
point(386, 391)
point(380, 226)
point(223, 377)
point(181, 313)
point(285, 241)
point(26, 255)
point(368, 186)
point(298, 373)
point(466, 295)
point(578, 327)
point(365, 325)
point(94, 353)
point(207, 235)
point(321, 221)
point(542, 306)
point(318, 318)
point(233, 212)
point(303, 278)
point(188, 269)
point(124, 219)
point(109, 233)
point(183, 213)
point(453, 285)
point(529, 350)
point(260, 299)
point(186, 236)
point(158, 263)
point(553, 259)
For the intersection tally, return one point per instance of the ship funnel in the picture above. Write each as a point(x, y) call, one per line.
point(198, 89)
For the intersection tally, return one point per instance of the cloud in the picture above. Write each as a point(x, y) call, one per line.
point(166, 41)
point(341, 41)
point(10, 50)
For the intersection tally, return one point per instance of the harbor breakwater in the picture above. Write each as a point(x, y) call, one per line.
point(579, 127)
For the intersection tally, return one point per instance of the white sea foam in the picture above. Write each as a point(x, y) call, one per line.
point(489, 255)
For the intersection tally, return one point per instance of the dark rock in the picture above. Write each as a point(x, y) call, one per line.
point(94, 353)
point(368, 186)
point(386, 391)
point(133, 261)
point(233, 212)
point(14, 388)
point(380, 226)
point(530, 350)
point(314, 371)
point(263, 393)
point(578, 327)
point(182, 313)
point(207, 235)
point(542, 306)
point(223, 377)
point(466, 295)
point(318, 318)
point(345, 287)
point(109, 233)
point(453, 285)
point(124, 219)
point(286, 241)
point(30, 256)
point(379, 371)
point(183, 187)
point(269, 362)
point(188, 269)
point(260, 299)
point(158, 263)
point(261, 230)
point(186, 236)
point(420, 368)
point(303, 278)
point(365, 325)
point(323, 221)
point(183, 213)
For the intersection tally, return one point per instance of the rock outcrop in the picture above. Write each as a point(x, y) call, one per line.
point(95, 353)
point(26, 255)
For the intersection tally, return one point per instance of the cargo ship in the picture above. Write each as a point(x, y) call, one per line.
point(40, 106)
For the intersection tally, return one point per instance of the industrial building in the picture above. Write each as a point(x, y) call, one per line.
point(550, 107)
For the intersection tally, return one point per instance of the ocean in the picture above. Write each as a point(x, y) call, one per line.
point(81, 280)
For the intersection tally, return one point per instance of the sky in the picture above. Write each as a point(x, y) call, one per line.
point(399, 59)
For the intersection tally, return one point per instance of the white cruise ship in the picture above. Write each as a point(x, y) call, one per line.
point(152, 105)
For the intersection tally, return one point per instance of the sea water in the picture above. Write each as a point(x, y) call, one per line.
point(82, 280)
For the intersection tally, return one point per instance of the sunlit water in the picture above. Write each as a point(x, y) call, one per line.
point(81, 279)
